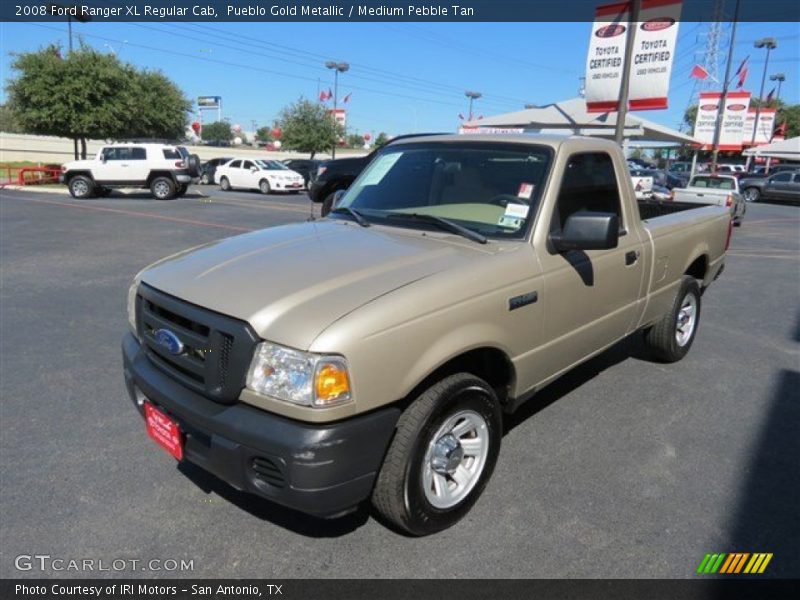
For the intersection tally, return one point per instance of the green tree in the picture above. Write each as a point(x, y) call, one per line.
point(355, 140)
point(91, 94)
point(381, 140)
point(264, 134)
point(8, 122)
point(217, 131)
point(308, 127)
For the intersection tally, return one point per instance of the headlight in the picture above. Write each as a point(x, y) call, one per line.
point(132, 305)
point(299, 377)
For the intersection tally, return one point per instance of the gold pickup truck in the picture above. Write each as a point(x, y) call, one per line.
point(373, 354)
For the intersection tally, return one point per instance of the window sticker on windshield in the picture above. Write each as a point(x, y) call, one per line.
point(517, 211)
point(525, 190)
point(379, 167)
point(510, 222)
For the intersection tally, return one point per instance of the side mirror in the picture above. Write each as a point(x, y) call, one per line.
point(253, 169)
point(337, 197)
point(587, 231)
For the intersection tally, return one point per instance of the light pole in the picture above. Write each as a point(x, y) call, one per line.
point(780, 78)
point(337, 67)
point(770, 44)
point(472, 97)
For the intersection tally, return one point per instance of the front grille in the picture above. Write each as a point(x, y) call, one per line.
point(216, 349)
point(267, 471)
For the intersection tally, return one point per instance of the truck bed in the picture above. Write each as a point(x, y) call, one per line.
point(650, 209)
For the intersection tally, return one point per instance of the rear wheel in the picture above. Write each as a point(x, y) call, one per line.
point(442, 455)
point(205, 178)
point(162, 188)
point(224, 184)
point(263, 186)
point(81, 187)
point(671, 338)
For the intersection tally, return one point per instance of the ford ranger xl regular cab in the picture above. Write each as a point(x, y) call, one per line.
point(464, 273)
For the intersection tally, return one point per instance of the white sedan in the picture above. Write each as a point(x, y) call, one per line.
point(254, 174)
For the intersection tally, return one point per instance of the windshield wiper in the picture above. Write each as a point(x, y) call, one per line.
point(442, 223)
point(353, 213)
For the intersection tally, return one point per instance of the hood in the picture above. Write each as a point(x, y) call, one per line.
point(292, 282)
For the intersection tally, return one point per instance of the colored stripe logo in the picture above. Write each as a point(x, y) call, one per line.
point(734, 563)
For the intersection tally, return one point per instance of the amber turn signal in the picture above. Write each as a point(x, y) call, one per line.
point(332, 384)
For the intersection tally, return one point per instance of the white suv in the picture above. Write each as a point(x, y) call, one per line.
point(166, 170)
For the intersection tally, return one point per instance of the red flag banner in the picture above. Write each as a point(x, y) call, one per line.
point(698, 72)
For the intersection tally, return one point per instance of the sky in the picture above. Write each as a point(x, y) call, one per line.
point(404, 77)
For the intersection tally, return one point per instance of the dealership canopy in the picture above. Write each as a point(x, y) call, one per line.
point(784, 149)
point(570, 117)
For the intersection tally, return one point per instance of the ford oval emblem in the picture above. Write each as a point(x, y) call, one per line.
point(612, 30)
point(169, 341)
point(736, 106)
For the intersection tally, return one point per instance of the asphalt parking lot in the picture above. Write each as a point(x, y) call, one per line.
point(623, 468)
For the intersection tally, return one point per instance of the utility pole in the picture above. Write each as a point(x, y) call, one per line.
point(339, 67)
point(472, 97)
point(622, 104)
point(724, 99)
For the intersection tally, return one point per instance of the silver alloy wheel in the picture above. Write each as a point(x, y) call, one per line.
point(455, 459)
point(161, 189)
point(687, 318)
point(750, 194)
point(225, 184)
point(264, 186)
point(80, 188)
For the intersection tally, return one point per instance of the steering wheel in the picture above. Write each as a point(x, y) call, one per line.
point(504, 199)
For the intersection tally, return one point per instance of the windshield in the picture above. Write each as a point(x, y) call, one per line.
point(489, 188)
point(716, 183)
point(271, 165)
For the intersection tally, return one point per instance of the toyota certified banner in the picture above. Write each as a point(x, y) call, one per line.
point(654, 43)
point(733, 119)
point(766, 125)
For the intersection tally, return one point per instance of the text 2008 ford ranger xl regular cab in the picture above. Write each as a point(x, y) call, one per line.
point(371, 354)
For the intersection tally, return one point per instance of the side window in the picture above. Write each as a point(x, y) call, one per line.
point(589, 184)
point(171, 154)
point(248, 165)
point(111, 153)
point(797, 177)
point(235, 164)
point(781, 178)
point(138, 154)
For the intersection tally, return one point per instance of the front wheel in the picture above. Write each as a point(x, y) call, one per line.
point(751, 194)
point(224, 184)
point(263, 186)
point(670, 339)
point(81, 187)
point(442, 455)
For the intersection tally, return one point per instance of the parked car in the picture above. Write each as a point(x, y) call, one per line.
point(661, 193)
point(335, 175)
point(639, 163)
point(665, 178)
point(732, 169)
point(762, 170)
point(783, 186)
point(685, 168)
point(209, 168)
point(461, 274)
point(305, 166)
point(267, 176)
point(165, 169)
point(722, 190)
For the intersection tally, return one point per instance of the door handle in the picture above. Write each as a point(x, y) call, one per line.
point(631, 257)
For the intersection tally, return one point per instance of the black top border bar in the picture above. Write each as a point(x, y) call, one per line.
point(365, 11)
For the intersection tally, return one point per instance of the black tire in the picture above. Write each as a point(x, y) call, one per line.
point(399, 495)
point(225, 185)
point(264, 187)
point(205, 178)
point(193, 165)
point(81, 187)
point(662, 338)
point(751, 194)
point(327, 204)
point(181, 189)
point(162, 188)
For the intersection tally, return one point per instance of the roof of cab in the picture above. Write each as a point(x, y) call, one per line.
point(553, 141)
